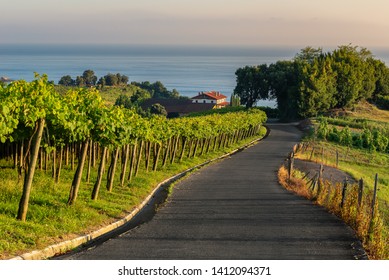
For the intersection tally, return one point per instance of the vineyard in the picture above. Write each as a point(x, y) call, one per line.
point(76, 140)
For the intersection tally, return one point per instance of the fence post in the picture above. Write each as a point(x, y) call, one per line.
point(337, 158)
point(360, 193)
point(290, 163)
point(320, 179)
point(344, 193)
point(374, 196)
point(314, 181)
point(313, 150)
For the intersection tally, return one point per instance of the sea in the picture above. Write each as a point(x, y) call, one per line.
point(188, 69)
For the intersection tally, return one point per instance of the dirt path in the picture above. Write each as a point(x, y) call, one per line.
point(330, 174)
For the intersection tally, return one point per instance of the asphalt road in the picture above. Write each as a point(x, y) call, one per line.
point(235, 209)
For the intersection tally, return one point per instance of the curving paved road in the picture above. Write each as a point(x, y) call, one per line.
point(235, 209)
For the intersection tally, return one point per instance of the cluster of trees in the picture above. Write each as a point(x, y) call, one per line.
point(113, 80)
point(38, 125)
point(157, 89)
point(314, 81)
point(89, 78)
point(373, 140)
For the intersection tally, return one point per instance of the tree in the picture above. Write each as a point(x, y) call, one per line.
point(102, 82)
point(235, 100)
point(284, 84)
point(124, 100)
point(32, 103)
point(67, 81)
point(355, 78)
point(252, 84)
point(317, 87)
point(89, 77)
point(111, 79)
point(309, 54)
point(80, 81)
point(158, 109)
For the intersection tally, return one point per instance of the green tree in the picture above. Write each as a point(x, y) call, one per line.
point(317, 87)
point(28, 105)
point(355, 80)
point(80, 81)
point(309, 54)
point(124, 100)
point(89, 77)
point(158, 109)
point(67, 81)
point(235, 100)
point(284, 84)
point(252, 84)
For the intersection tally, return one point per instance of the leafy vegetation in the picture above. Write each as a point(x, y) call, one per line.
point(315, 82)
point(74, 140)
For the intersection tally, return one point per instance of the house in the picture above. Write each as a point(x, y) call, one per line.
point(211, 97)
point(202, 102)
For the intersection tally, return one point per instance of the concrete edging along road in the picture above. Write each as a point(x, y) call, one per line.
point(68, 245)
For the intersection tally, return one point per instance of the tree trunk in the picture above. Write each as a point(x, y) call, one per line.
point(112, 169)
point(77, 176)
point(139, 158)
point(167, 152)
point(100, 174)
point(147, 155)
point(94, 155)
point(23, 204)
point(208, 145)
point(195, 148)
point(176, 140)
point(156, 158)
point(54, 167)
point(73, 154)
point(125, 155)
point(190, 148)
point(89, 162)
point(67, 155)
point(133, 161)
point(16, 156)
point(183, 148)
point(59, 165)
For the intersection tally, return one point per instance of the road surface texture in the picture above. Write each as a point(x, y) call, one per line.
point(235, 209)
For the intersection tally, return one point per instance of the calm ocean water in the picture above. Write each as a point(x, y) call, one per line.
point(187, 69)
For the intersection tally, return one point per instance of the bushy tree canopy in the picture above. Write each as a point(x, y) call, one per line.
point(314, 82)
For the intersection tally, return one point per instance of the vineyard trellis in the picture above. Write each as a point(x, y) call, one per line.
point(41, 129)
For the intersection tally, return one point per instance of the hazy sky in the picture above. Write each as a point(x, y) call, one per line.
point(233, 22)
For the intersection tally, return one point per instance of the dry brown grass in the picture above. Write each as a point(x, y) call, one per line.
point(368, 111)
point(293, 184)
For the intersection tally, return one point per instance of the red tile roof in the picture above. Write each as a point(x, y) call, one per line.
point(216, 95)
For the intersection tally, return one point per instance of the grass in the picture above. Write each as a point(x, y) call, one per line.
point(50, 220)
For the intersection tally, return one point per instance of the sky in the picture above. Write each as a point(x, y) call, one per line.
point(319, 23)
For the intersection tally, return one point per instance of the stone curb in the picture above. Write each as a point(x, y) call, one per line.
point(68, 245)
